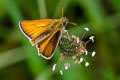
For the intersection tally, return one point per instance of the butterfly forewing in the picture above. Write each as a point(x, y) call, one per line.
point(36, 30)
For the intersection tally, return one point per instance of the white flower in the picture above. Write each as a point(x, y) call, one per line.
point(92, 38)
point(76, 47)
point(87, 64)
point(78, 40)
point(93, 53)
point(86, 29)
point(66, 67)
point(81, 59)
point(61, 72)
point(54, 66)
point(86, 52)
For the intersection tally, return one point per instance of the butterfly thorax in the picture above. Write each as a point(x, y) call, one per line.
point(59, 23)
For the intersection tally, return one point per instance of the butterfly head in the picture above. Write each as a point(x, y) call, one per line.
point(64, 21)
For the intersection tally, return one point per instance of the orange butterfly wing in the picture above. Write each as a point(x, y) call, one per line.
point(48, 46)
point(36, 30)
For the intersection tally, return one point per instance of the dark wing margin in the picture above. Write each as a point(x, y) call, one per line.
point(21, 28)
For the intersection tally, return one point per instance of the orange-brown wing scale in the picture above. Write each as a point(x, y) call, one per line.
point(48, 46)
point(36, 28)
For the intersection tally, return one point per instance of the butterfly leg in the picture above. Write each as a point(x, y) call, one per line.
point(66, 33)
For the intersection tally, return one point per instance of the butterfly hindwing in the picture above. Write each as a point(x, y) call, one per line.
point(47, 47)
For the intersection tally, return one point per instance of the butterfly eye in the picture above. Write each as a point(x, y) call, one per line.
point(64, 23)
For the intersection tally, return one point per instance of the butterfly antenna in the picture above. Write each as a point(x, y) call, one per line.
point(62, 11)
point(68, 22)
point(73, 23)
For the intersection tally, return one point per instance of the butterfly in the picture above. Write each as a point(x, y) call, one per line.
point(44, 33)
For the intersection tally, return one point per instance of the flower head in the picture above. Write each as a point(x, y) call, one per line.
point(74, 48)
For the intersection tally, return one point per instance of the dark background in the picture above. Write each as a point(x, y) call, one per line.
point(19, 60)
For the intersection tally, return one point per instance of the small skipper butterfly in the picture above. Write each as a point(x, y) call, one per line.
point(44, 33)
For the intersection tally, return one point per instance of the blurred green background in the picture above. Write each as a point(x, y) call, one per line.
point(19, 60)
